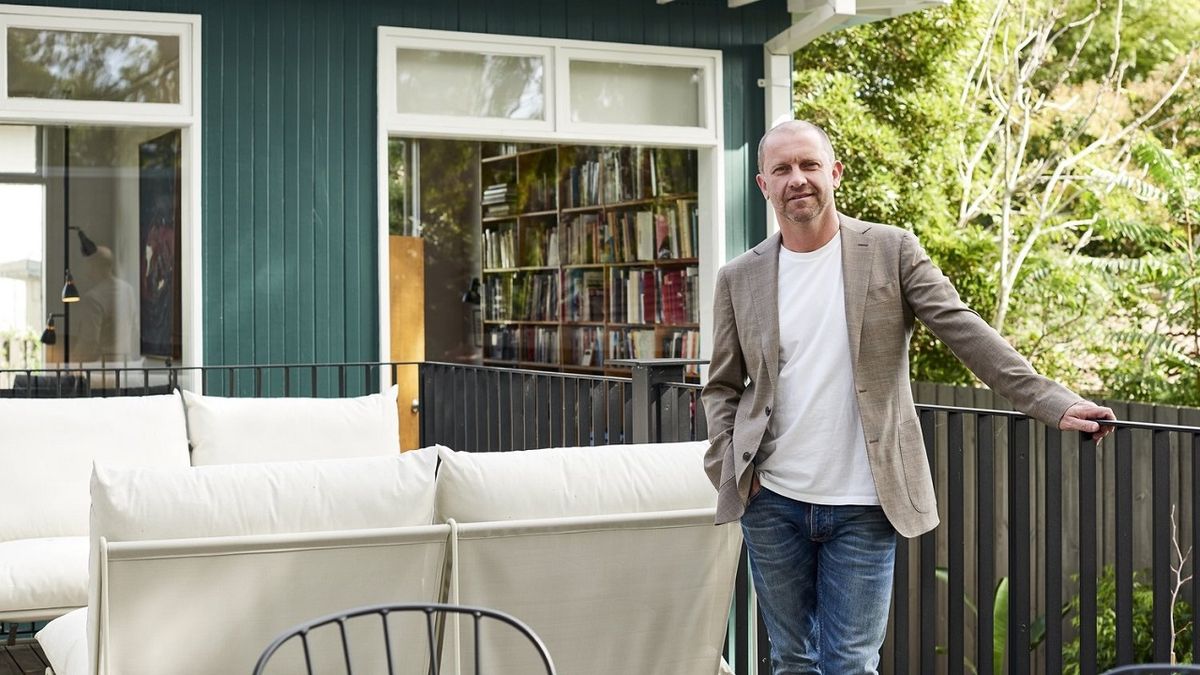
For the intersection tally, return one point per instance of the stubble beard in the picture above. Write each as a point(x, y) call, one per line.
point(808, 214)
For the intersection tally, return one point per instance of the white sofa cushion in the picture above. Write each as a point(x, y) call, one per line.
point(135, 504)
point(64, 642)
point(563, 482)
point(42, 578)
point(47, 447)
point(242, 430)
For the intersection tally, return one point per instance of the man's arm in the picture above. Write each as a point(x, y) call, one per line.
point(936, 303)
point(726, 379)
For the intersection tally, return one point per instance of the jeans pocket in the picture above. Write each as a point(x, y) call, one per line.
point(754, 497)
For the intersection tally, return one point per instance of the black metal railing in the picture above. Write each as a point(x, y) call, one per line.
point(271, 380)
point(1082, 550)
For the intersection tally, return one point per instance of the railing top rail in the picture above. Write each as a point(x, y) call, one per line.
point(1127, 424)
point(683, 385)
point(529, 371)
point(81, 368)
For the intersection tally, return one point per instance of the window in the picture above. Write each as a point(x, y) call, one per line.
point(134, 65)
point(472, 86)
point(99, 133)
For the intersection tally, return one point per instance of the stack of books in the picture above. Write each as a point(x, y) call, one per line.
point(499, 200)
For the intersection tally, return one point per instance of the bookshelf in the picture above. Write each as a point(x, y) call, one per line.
point(590, 254)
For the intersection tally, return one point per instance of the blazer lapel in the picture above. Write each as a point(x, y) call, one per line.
point(857, 255)
point(765, 286)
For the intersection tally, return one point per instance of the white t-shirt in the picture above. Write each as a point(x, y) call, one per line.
point(817, 453)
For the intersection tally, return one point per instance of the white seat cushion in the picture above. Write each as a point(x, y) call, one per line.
point(47, 447)
point(564, 482)
point(42, 578)
point(64, 640)
point(242, 430)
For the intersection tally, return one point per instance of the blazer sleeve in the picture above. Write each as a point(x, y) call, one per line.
point(726, 379)
point(936, 303)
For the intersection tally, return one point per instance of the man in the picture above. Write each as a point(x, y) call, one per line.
point(814, 438)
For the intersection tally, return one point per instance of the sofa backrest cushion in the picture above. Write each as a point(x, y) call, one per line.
point(132, 504)
point(47, 447)
point(583, 481)
point(243, 430)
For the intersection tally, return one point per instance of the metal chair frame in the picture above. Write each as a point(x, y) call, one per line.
point(340, 618)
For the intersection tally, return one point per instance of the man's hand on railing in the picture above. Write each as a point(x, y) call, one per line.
point(1081, 416)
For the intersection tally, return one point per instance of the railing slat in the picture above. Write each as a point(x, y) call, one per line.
point(1124, 538)
point(900, 608)
point(985, 505)
point(1088, 526)
point(1018, 547)
point(1053, 548)
point(957, 544)
point(1195, 584)
point(928, 566)
point(1163, 526)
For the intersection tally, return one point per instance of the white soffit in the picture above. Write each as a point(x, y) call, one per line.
point(813, 18)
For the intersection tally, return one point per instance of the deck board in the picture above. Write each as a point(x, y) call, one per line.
point(23, 658)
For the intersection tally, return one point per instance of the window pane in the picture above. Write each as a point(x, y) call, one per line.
point(622, 93)
point(84, 66)
point(21, 306)
point(18, 149)
point(470, 85)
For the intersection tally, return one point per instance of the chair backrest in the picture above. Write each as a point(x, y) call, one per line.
point(628, 593)
point(360, 654)
point(212, 603)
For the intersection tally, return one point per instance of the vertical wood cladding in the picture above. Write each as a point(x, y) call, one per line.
point(288, 147)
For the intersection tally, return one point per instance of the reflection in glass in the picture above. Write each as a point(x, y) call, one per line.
point(98, 211)
point(470, 85)
point(85, 66)
point(626, 93)
point(18, 149)
point(441, 206)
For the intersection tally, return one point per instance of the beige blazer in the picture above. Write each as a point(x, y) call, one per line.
point(889, 281)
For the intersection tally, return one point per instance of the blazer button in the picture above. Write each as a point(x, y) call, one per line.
point(768, 410)
point(746, 456)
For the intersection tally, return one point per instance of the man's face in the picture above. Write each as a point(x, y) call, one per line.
point(798, 174)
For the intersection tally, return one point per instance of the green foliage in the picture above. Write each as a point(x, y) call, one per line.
point(1080, 249)
point(1143, 625)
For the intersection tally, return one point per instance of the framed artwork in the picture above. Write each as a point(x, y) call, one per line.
point(160, 236)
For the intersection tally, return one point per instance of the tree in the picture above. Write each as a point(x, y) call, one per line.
point(1025, 175)
point(1154, 350)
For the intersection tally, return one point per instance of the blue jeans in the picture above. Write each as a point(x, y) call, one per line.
point(823, 576)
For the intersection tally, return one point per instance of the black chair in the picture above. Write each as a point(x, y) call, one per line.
point(433, 631)
point(1153, 668)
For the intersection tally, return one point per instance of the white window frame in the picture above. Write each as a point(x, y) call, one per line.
point(704, 134)
point(392, 39)
point(707, 140)
point(86, 21)
point(184, 115)
point(557, 127)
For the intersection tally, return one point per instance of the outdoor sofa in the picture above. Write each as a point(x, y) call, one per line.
point(287, 509)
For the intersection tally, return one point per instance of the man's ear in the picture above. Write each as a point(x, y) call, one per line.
point(837, 174)
point(762, 186)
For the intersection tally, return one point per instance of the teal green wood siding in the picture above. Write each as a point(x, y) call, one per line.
point(288, 148)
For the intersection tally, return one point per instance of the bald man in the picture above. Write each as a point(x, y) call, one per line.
point(814, 440)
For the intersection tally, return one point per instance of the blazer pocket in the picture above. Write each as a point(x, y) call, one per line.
point(881, 294)
point(917, 477)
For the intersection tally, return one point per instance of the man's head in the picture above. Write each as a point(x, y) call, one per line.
point(798, 172)
point(792, 125)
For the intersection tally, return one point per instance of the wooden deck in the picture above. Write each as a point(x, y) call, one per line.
point(23, 658)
